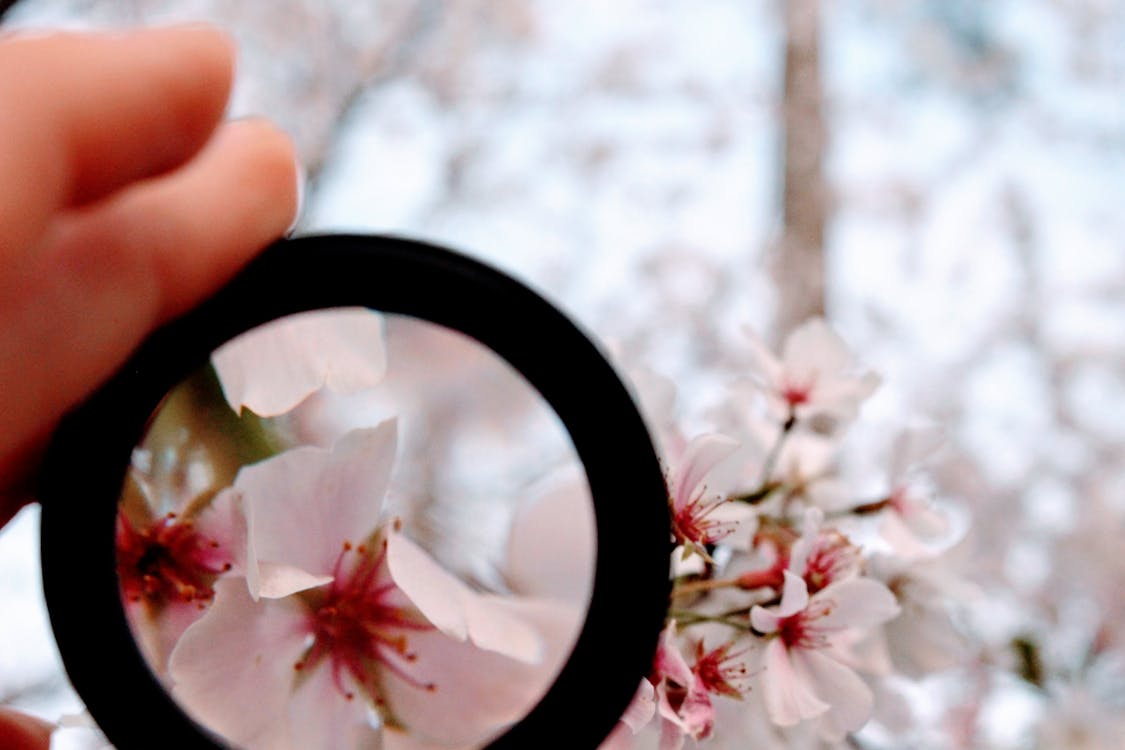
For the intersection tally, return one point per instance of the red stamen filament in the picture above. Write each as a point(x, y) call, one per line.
point(359, 625)
point(167, 561)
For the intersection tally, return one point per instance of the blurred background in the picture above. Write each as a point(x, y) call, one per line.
point(942, 178)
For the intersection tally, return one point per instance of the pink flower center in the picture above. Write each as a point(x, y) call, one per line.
point(796, 394)
point(832, 558)
point(168, 561)
point(800, 630)
point(720, 671)
point(690, 522)
point(360, 624)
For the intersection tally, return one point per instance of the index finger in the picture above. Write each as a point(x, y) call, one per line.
point(85, 114)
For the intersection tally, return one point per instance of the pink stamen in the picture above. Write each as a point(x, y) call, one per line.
point(360, 625)
point(800, 630)
point(832, 558)
point(690, 522)
point(167, 561)
point(722, 672)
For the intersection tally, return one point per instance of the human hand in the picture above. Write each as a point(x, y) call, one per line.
point(123, 202)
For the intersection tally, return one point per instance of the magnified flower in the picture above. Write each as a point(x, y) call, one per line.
point(274, 367)
point(168, 563)
point(341, 623)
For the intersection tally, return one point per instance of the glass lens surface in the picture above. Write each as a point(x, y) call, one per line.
point(355, 530)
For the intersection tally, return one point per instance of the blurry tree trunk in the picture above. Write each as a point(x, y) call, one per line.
point(798, 262)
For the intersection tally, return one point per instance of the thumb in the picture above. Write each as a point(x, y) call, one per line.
point(22, 732)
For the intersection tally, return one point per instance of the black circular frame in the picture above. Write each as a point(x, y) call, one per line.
point(85, 466)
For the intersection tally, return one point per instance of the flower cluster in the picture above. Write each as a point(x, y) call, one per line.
point(795, 597)
point(265, 572)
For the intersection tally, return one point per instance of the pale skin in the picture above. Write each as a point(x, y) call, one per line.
point(125, 199)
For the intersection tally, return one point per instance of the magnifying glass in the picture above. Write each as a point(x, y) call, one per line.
point(351, 502)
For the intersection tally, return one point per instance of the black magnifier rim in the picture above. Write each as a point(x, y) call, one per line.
point(84, 470)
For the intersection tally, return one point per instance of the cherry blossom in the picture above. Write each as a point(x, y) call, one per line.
point(340, 623)
point(722, 670)
point(823, 556)
point(701, 511)
point(682, 699)
point(802, 679)
point(274, 367)
point(913, 519)
point(816, 374)
point(167, 563)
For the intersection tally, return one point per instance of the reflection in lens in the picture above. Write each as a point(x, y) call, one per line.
point(350, 529)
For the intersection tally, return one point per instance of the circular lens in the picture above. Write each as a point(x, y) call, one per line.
point(348, 529)
point(298, 560)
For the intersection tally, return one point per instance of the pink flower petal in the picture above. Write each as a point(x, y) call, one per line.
point(641, 709)
point(795, 595)
point(850, 699)
point(702, 455)
point(789, 698)
point(814, 348)
point(319, 716)
point(762, 360)
point(551, 545)
point(454, 608)
point(672, 736)
point(856, 603)
point(763, 620)
point(395, 739)
point(276, 580)
point(302, 505)
point(273, 368)
point(233, 669)
point(478, 692)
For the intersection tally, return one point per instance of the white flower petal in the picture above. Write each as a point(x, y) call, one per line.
point(394, 739)
point(842, 395)
point(551, 547)
point(856, 603)
point(672, 736)
point(795, 595)
point(276, 580)
point(799, 552)
point(763, 620)
point(454, 608)
point(233, 669)
point(762, 360)
point(320, 716)
point(789, 698)
point(642, 708)
point(850, 699)
point(702, 455)
point(814, 348)
point(478, 692)
point(303, 504)
point(274, 367)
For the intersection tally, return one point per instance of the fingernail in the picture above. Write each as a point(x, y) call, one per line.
point(302, 177)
